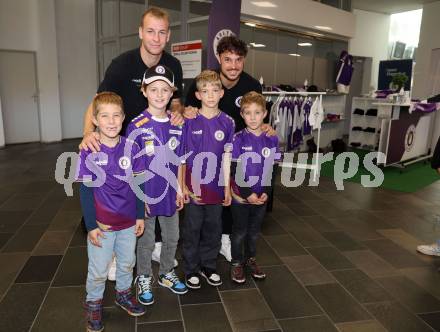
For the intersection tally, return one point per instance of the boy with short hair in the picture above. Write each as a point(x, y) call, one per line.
point(253, 156)
point(207, 137)
point(163, 148)
point(112, 212)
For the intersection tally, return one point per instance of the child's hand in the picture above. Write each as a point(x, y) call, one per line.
point(186, 195)
point(228, 198)
point(139, 228)
point(94, 236)
point(264, 197)
point(253, 199)
point(180, 201)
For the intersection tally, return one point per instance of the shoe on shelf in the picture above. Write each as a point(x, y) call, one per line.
point(144, 292)
point(94, 316)
point(111, 275)
point(171, 280)
point(155, 256)
point(128, 302)
point(256, 271)
point(429, 249)
point(237, 273)
point(225, 249)
point(212, 277)
point(192, 281)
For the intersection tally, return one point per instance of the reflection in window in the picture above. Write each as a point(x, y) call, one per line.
point(173, 7)
point(199, 8)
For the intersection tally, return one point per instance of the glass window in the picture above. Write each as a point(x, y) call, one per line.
point(346, 5)
point(264, 40)
point(130, 42)
point(333, 3)
point(198, 8)
point(130, 15)
point(109, 51)
point(174, 38)
point(199, 30)
point(109, 17)
point(173, 7)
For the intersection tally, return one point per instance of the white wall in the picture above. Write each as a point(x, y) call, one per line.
point(2, 133)
point(371, 39)
point(304, 13)
point(76, 41)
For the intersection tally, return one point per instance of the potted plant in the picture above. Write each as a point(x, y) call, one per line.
point(399, 81)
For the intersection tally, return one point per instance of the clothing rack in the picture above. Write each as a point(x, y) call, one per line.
point(313, 167)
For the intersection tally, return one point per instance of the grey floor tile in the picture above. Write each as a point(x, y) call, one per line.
point(165, 307)
point(4, 238)
point(342, 241)
point(265, 254)
point(432, 319)
point(52, 243)
point(79, 238)
point(65, 221)
point(357, 228)
point(410, 294)
point(395, 318)
point(285, 245)
point(370, 263)
point(289, 301)
point(367, 326)
point(62, 310)
point(271, 227)
point(248, 311)
point(213, 318)
point(20, 306)
point(308, 270)
point(426, 277)
point(309, 324)
point(25, 239)
point(394, 254)
point(10, 221)
point(73, 269)
point(339, 305)
point(20, 202)
point(11, 265)
point(307, 236)
point(363, 288)
point(115, 320)
point(206, 294)
point(330, 258)
point(39, 269)
point(175, 326)
point(321, 224)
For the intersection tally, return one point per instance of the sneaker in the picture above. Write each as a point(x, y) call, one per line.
point(211, 277)
point(192, 281)
point(143, 289)
point(94, 316)
point(111, 275)
point(171, 281)
point(256, 272)
point(225, 250)
point(128, 302)
point(155, 256)
point(429, 249)
point(237, 273)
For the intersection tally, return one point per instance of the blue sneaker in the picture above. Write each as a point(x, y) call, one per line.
point(143, 289)
point(171, 281)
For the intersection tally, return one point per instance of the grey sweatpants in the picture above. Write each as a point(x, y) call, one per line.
point(145, 245)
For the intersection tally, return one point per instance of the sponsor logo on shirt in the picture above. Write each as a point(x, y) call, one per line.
point(136, 80)
point(219, 135)
point(149, 148)
point(141, 122)
point(238, 101)
point(147, 138)
point(173, 143)
point(175, 132)
point(103, 162)
point(124, 162)
point(246, 148)
point(265, 152)
point(198, 132)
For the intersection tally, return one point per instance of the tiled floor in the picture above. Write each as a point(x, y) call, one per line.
point(335, 260)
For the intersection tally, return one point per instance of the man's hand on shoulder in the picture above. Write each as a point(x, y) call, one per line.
point(190, 112)
point(268, 130)
point(90, 141)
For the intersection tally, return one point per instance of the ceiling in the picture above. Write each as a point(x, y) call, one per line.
point(389, 6)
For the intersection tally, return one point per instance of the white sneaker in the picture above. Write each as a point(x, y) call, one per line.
point(429, 249)
point(225, 250)
point(155, 256)
point(112, 270)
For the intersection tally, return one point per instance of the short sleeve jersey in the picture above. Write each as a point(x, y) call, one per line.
point(124, 77)
point(205, 141)
point(256, 156)
point(230, 102)
point(163, 148)
point(115, 201)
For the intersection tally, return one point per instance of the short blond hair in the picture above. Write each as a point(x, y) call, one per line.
point(157, 13)
point(208, 76)
point(253, 98)
point(106, 98)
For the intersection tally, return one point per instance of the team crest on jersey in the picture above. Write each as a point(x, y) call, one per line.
point(265, 152)
point(124, 162)
point(173, 143)
point(219, 135)
point(238, 101)
point(160, 70)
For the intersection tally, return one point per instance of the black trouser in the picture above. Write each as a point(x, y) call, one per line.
point(245, 230)
point(202, 231)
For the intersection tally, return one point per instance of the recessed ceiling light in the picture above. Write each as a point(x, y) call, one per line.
point(266, 16)
point(294, 54)
point(304, 44)
point(323, 27)
point(264, 4)
point(250, 24)
point(257, 45)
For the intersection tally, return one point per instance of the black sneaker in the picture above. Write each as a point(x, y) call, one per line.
point(192, 281)
point(212, 277)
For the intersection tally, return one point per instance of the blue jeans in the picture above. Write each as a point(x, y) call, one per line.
point(123, 244)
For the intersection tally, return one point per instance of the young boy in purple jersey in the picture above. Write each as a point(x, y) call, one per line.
point(112, 212)
point(163, 147)
point(253, 156)
point(208, 137)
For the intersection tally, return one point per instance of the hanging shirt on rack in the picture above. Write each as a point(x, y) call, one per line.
point(307, 128)
point(316, 114)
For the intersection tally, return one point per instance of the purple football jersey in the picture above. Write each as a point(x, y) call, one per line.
point(162, 145)
point(256, 155)
point(206, 140)
point(111, 170)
